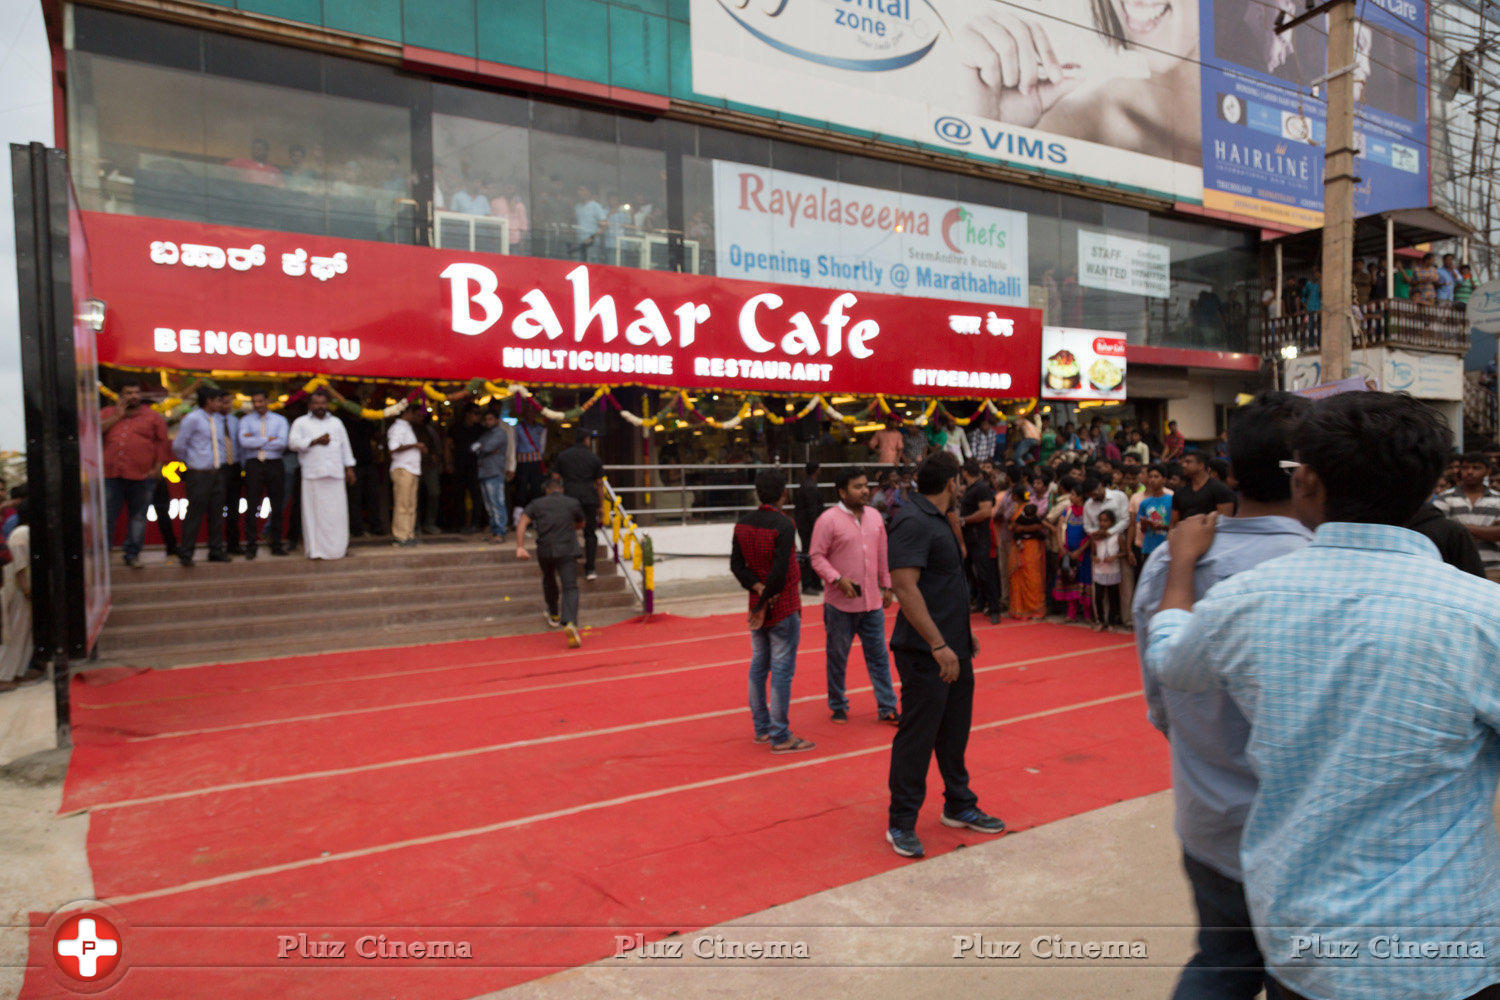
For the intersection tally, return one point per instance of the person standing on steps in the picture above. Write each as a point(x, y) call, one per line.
point(557, 517)
point(934, 648)
point(583, 480)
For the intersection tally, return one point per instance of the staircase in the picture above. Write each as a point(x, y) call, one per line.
point(447, 588)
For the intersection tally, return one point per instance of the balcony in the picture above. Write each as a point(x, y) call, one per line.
point(1433, 328)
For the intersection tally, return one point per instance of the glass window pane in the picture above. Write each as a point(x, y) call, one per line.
point(481, 185)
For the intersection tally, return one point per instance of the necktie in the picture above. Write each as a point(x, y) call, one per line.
point(261, 455)
point(213, 437)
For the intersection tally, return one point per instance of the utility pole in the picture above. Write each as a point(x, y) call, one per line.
point(1338, 183)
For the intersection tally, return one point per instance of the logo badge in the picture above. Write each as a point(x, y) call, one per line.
point(87, 947)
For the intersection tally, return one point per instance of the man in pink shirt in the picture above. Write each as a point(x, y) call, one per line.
point(848, 553)
point(886, 444)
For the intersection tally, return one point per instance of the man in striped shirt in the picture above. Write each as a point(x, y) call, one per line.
point(1477, 507)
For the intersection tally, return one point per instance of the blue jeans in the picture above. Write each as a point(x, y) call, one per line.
point(773, 653)
point(1228, 964)
point(134, 495)
point(493, 490)
point(842, 627)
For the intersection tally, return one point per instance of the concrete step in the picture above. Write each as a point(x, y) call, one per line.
point(271, 646)
point(152, 586)
point(317, 628)
point(183, 603)
point(361, 559)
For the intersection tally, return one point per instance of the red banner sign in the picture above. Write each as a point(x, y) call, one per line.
point(194, 296)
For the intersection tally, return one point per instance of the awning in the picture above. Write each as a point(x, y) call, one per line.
point(1411, 227)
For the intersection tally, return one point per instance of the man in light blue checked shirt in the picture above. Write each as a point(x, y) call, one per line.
point(1212, 784)
point(1367, 670)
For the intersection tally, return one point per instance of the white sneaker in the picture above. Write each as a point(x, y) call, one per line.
point(591, 576)
point(552, 620)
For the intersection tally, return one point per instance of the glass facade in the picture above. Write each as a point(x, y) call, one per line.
point(178, 122)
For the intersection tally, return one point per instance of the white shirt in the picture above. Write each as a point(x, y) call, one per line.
point(1114, 501)
point(1107, 561)
point(321, 461)
point(401, 433)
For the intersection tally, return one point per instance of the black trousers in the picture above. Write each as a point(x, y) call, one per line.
point(364, 502)
point(233, 477)
point(161, 502)
point(264, 479)
point(205, 499)
point(432, 499)
point(986, 574)
point(477, 516)
point(527, 485)
point(1107, 609)
point(590, 538)
point(935, 718)
point(1228, 964)
point(560, 587)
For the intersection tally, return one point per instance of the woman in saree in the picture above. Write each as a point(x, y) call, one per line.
point(1028, 557)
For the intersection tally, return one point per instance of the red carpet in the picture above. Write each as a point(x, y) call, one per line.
point(529, 800)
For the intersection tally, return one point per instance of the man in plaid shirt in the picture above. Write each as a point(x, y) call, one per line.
point(764, 560)
point(1366, 669)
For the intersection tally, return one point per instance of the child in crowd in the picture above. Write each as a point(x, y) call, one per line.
point(1107, 576)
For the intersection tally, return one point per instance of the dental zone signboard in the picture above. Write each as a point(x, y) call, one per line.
point(770, 225)
point(1103, 91)
point(192, 296)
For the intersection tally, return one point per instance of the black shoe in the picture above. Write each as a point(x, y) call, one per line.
point(356, 534)
point(185, 560)
point(904, 843)
point(134, 562)
point(234, 550)
point(840, 715)
point(973, 819)
point(890, 718)
point(250, 553)
point(219, 557)
point(280, 550)
point(994, 617)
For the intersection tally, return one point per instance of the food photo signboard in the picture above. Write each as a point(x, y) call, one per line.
point(1082, 364)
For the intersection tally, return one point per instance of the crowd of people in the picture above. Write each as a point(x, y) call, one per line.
point(257, 479)
point(1318, 645)
point(1429, 280)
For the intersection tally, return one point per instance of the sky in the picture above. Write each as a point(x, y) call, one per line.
point(25, 116)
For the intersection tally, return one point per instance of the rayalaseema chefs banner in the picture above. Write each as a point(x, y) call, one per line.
point(193, 296)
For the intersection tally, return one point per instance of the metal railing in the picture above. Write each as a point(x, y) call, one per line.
point(673, 494)
point(1427, 326)
point(631, 550)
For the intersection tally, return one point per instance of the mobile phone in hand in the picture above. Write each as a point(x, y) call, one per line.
point(859, 591)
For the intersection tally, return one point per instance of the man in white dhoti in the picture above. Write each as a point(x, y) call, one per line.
point(327, 464)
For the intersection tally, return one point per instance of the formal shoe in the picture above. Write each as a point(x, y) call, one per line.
point(185, 560)
point(571, 631)
point(280, 550)
point(134, 562)
point(171, 551)
point(428, 529)
point(994, 617)
point(220, 557)
point(794, 745)
point(249, 554)
point(553, 621)
point(233, 550)
point(904, 843)
point(591, 575)
point(973, 819)
point(840, 715)
point(890, 718)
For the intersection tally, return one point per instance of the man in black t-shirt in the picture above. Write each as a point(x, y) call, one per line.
point(557, 518)
point(1201, 493)
point(933, 646)
point(975, 509)
point(583, 480)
